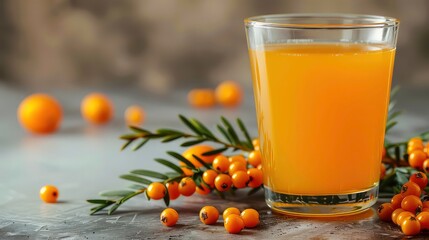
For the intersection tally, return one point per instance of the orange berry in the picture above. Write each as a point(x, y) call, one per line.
point(385, 211)
point(201, 98)
point(417, 158)
point(187, 186)
point(402, 216)
point(395, 215)
point(209, 177)
point(96, 108)
point(259, 167)
point(415, 141)
point(233, 224)
point(223, 182)
point(412, 204)
point(423, 218)
point(221, 163)
point(255, 177)
point(49, 194)
point(229, 211)
point(250, 218)
point(236, 166)
point(209, 215)
point(420, 179)
point(383, 153)
point(173, 190)
point(198, 150)
point(382, 171)
point(228, 94)
point(240, 179)
point(156, 191)
point(410, 226)
point(188, 172)
point(410, 188)
point(40, 113)
point(169, 217)
point(237, 158)
point(202, 189)
point(413, 148)
point(426, 166)
point(396, 201)
point(426, 148)
point(425, 204)
point(425, 209)
point(254, 158)
point(134, 116)
point(255, 143)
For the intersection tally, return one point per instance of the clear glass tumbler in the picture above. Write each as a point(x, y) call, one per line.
point(321, 85)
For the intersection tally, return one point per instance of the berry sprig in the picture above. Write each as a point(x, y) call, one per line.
point(201, 168)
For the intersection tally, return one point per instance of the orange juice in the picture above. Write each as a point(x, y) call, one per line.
point(321, 112)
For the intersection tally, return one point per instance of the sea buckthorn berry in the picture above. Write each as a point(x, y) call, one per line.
point(426, 166)
point(173, 190)
point(417, 158)
point(410, 226)
point(415, 141)
point(209, 177)
point(382, 171)
point(237, 158)
point(411, 188)
point(425, 204)
point(49, 194)
point(420, 179)
point(223, 182)
point(229, 211)
point(233, 224)
point(221, 163)
point(255, 177)
point(412, 204)
point(396, 201)
point(228, 94)
point(254, 158)
point(97, 108)
point(383, 153)
point(259, 167)
point(425, 209)
point(156, 190)
point(395, 215)
point(169, 217)
point(426, 148)
point(198, 151)
point(251, 218)
point(201, 98)
point(188, 172)
point(187, 186)
point(402, 216)
point(134, 116)
point(40, 113)
point(256, 144)
point(413, 148)
point(202, 189)
point(240, 179)
point(236, 166)
point(209, 215)
point(423, 218)
point(385, 211)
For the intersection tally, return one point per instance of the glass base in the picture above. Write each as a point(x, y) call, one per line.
point(321, 205)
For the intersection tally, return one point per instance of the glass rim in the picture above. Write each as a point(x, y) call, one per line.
point(291, 20)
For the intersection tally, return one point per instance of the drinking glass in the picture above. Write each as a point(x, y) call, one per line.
point(321, 85)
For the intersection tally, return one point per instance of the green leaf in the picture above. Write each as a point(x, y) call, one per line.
point(149, 173)
point(167, 131)
point(100, 201)
point(171, 138)
point(128, 137)
point(231, 132)
point(99, 208)
point(394, 91)
point(182, 159)
point(189, 124)
point(127, 144)
point(393, 115)
point(245, 133)
point(192, 142)
point(215, 151)
point(113, 209)
point(173, 174)
point(141, 144)
point(131, 195)
point(136, 187)
point(137, 129)
point(224, 133)
point(166, 197)
point(134, 178)
point(115, 193)
point(201, 161)
point(390, 125)
point(202, 128)
point(170, 165)
point(391, 106)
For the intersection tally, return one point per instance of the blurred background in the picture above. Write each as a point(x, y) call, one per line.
point(160, 46)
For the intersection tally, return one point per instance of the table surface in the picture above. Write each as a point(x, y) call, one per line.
point(81, 160)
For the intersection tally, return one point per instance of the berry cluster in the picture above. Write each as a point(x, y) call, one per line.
point(234, 220)
point(418, 154)
point(406, 209)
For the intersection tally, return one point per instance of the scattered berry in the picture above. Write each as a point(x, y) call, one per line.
point(201, 98)
point(134, 116)
point(96, 108)
point(169, 217)
point(49, 194)
point(410, 226)
point(229, 211)
point(209, 215)
point(250, 218)
point(228, 94)
point(233, 224)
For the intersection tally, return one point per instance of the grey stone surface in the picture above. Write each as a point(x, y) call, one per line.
point(82, 160)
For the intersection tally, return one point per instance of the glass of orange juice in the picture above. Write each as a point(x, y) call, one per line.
point(321, 86)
